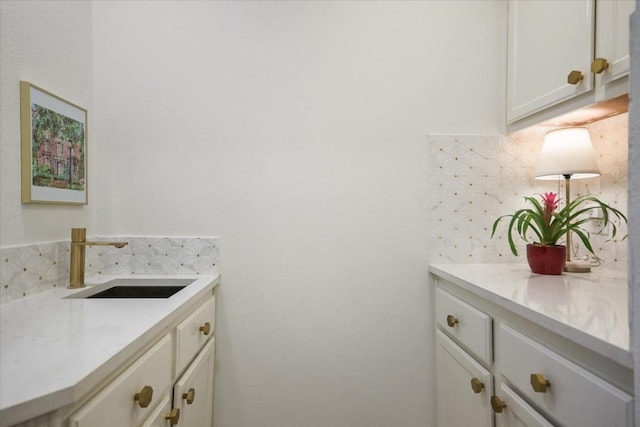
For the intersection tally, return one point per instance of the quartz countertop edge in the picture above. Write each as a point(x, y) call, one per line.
point(54, 350)
point(504, 285)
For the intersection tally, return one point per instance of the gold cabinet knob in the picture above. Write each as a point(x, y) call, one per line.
point(599, 65)
point(451, 320)
point(144, 396)
point(575, 77)
point(497, 404)
point(173, 416)
point(206, 328)
point(189, 396)
point(539, 383)
point(476, 385)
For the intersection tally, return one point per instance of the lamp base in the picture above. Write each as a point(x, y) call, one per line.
point(577, 267)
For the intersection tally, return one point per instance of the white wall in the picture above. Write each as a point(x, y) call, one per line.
point(50, 45)
point(297, 132)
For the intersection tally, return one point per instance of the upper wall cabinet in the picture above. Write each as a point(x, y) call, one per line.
point(564, 55)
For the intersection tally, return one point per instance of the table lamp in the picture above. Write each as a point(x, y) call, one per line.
point(568, 154)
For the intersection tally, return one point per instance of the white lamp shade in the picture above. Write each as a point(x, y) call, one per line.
point(567, 152)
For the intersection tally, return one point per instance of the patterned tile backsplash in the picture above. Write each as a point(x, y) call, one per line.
point(30, 269)
point(475, 179)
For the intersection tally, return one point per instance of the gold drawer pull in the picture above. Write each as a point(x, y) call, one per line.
point(497, 404)
point(476, 385)
point(189, 396)
point(173, 416)
point(575, 77)
point(206, 328)
point(144, 396)
point(451, 320)
point(599, 65)
point(539, 383)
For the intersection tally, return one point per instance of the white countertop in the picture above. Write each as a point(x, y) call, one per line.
point(54, 350)
point(590, 309)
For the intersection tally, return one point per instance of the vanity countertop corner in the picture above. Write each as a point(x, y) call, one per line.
point(54, 350)
point(590, 309)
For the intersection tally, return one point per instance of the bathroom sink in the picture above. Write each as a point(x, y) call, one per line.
point(134, 288)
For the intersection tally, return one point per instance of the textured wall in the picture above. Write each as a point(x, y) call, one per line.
point(48, 43)
point(476, 179)
point(297, 132)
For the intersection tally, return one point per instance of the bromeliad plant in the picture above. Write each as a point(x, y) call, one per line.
point(549, 224)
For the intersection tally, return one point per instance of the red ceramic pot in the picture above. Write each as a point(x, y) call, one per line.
point(546, 259)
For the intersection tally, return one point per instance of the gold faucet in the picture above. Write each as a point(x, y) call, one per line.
point(78, 245)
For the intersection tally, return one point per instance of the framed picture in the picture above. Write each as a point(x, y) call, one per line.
point(53, 148)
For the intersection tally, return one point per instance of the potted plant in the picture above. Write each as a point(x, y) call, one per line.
point(548, 224)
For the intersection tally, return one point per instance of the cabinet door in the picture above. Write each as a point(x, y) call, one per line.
point(547, 40)
point(517, 413)
point(612, 41)
point(193, 393)
point(458, 404)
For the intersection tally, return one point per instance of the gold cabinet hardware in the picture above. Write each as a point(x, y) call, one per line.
point(575, 77)
point(206, 328)
point(497, 404)
point(144, 396)
point(451, 320)
point(599, 65)
point(539, 383)
point(173, 416)
point(189, 396)
point(476, 385)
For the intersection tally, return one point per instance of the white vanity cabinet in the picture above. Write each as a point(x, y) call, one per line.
point(461, 382)
point(154, 391)
point(162, 416)
point(133, 395)
point(193, 392)
point(495, 366)
point(462, 379)
point(557, 385)
point(565, 55)
point(514, 411)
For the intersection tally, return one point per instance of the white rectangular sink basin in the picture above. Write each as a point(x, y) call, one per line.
point(134, 288)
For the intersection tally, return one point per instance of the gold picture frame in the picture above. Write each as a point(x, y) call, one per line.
point(53, 148)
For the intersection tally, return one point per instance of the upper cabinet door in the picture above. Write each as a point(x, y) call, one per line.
point(612, 38)
point(550, 50)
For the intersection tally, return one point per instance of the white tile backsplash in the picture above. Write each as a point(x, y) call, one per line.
point(29, 269)
point(473, 179)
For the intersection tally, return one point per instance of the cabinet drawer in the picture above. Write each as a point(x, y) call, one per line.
point(115, 405)
point(466, 324)
point(574, 396)
point(193, 333)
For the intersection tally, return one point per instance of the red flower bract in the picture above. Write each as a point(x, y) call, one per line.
point(550, 203)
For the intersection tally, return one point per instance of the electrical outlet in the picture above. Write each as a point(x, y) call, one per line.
point(596, 225)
